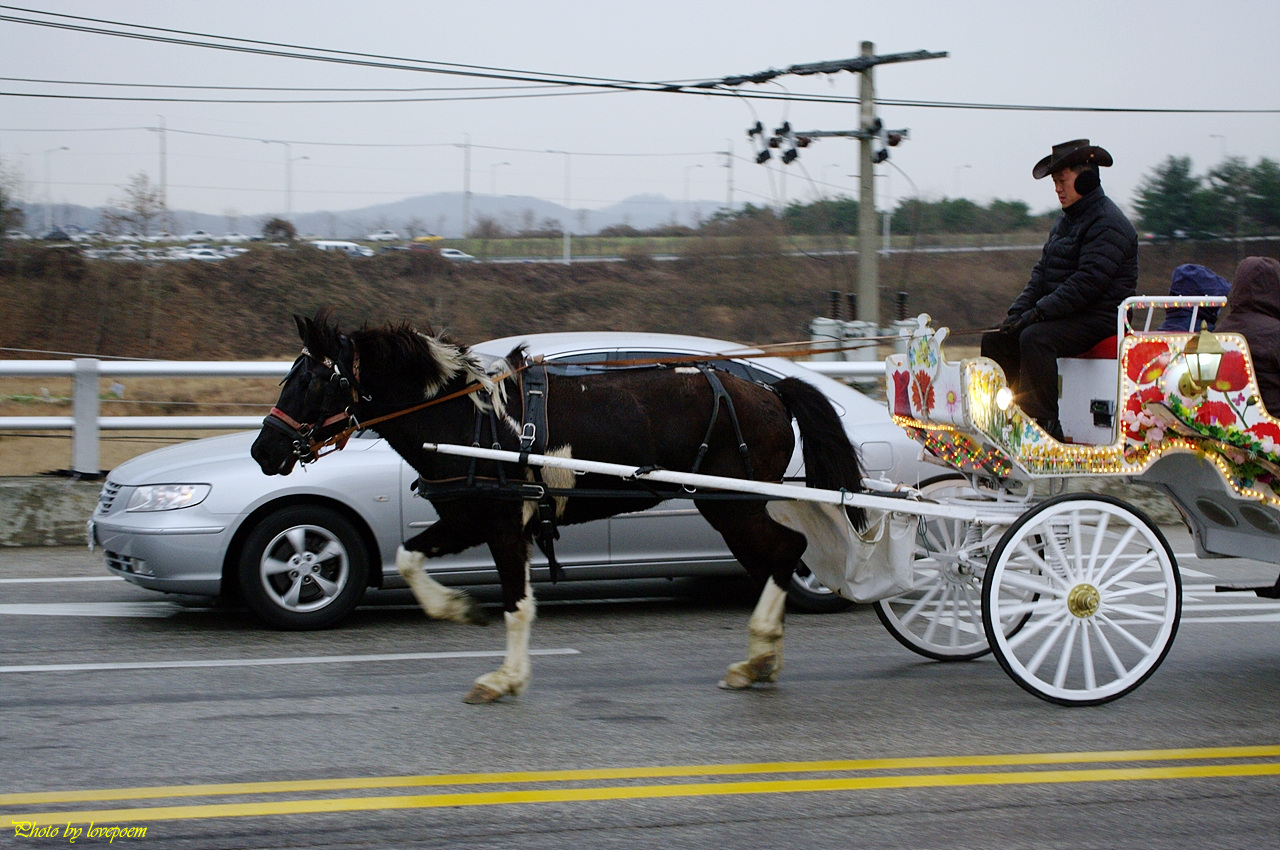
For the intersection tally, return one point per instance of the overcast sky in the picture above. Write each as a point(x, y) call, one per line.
point(1171, 54)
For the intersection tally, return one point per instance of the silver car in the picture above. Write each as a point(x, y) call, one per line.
point(201, 518)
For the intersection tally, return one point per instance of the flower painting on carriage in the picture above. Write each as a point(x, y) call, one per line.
point(1222, 417)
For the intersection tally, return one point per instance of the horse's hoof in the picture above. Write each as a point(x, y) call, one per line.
point(744, 674)
point(481, 695)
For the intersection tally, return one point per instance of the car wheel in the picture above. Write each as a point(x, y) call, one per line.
point(303, 568)
point(807, 595)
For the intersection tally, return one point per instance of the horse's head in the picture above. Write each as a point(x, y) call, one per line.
point(316, 400)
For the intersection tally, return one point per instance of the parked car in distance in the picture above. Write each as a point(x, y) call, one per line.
point(207, 254)
point(383, 235)
point(456, 255)
point(351, 249)
point(234, 237)
point(196, 236)
point(428, 238)
point(200, 518)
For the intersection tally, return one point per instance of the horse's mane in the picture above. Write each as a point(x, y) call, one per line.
point(423, 357)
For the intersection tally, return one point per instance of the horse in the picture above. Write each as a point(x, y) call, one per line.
point(415, 387)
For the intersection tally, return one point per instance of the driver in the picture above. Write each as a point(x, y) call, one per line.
point(1088, 266)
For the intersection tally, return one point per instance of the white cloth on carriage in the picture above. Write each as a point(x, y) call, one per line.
point(859, 566)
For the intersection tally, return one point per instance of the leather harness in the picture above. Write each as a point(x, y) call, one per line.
point(534, 440)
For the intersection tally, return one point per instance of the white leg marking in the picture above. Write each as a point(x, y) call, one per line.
point(516, 671)
point(438, 601)
point(764, 641)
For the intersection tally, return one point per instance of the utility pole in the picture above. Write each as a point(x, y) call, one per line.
point(466, 187)
point(728, 164)
point(868, 261)
point(870, 130)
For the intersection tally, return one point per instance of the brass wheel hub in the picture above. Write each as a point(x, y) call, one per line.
point(1084, 600)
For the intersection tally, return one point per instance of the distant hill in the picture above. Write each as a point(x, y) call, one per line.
point(440, 213)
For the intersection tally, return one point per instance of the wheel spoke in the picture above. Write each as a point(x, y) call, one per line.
point(1116, 664)
point(1138, 564)
point(933, 624)
point(1033, 629)
point(332, 549)
point(975, 611)
point(1023, 581)
point(290, 598)
point(328, 588)
point(1086, 657)
point(1124, 633)
point(1137, 613)
point(274, 567)
point(1157, 587)
point(1099, 537)
point(1032, 606)
point(297, 538)
point(919, 606)
point(1045, 570)
point(1064, 660)
point(1045, 648)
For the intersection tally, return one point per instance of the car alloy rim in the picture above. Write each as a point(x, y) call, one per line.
point(304, 568)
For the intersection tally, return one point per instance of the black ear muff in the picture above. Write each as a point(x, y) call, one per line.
point(1087, 181)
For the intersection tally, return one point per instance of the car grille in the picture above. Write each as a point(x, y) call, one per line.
point(107, 497)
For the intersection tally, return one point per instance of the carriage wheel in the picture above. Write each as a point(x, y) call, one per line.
point(1101, 591)
point(941, 616)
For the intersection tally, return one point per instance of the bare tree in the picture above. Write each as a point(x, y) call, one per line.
point(279, 230)
point(142, 204)
point(416, 227)
point(487, 227)
point(11, 215)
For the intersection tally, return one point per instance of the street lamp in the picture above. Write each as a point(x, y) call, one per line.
point(48, 189)
point(567, 208)
point(288, 187)
point(1223, 140)
point(493, 179)
point(687, 169)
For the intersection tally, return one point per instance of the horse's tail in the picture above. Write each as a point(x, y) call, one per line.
point(830, 460)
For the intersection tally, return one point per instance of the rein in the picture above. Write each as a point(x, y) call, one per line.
point(338, 441)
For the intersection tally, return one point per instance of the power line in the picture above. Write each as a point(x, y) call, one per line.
point(536, 79)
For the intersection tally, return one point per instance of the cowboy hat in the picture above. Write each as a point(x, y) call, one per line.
point(1077, 152)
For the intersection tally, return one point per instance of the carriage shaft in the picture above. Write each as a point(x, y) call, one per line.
point(741, 485)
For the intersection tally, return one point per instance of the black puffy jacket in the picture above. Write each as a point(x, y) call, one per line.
point(1089, 265)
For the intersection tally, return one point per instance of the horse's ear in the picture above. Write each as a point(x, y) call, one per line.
point(304, 327)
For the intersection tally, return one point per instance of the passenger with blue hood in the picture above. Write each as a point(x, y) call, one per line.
point(1190, 280)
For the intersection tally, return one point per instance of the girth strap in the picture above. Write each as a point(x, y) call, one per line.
point(720, 394)
point(533, 440)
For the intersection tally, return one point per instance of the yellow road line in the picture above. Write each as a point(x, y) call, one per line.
point(654, 772)
point(642, 792)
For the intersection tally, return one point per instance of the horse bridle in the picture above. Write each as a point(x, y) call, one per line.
point(301, 434)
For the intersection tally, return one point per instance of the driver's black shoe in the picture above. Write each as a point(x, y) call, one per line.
point(1053, 428)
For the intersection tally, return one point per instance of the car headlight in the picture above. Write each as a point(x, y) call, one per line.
point(167, 497)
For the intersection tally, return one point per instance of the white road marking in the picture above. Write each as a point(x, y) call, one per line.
point(267, 662)
point(97, 609)
point(55, 580)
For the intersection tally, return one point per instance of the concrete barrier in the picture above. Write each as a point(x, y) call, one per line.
point(41, 510)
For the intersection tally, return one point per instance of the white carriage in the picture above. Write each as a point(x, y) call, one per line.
point(1078, 594)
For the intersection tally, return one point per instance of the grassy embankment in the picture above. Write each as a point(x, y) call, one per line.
point(241, 308)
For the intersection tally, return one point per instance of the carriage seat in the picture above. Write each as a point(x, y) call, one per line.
point(1085, 407)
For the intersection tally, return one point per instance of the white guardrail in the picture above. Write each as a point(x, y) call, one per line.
point(86, 421)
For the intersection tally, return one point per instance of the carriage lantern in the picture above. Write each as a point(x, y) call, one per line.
point(1203, 355)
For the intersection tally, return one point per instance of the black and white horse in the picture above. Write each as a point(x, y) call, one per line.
point(415, 388)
